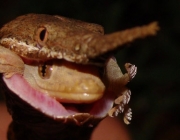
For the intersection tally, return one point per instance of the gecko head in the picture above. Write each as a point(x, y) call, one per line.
point(44, 37)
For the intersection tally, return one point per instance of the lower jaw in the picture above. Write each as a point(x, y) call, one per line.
point(53, 109)
point(31, 124)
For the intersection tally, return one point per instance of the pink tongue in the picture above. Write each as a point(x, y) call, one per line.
point(38, 100)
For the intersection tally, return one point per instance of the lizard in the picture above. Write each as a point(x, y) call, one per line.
point(57, 75)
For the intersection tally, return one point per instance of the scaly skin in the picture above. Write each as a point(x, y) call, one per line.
point(54, 81)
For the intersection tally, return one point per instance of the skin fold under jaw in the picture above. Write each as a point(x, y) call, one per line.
point(49, 69)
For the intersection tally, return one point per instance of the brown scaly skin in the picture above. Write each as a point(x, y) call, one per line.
point(69, 39)
point(38, 38)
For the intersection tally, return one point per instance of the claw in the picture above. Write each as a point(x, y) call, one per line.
point(128, 116)
point(131, 69)
point(121, 108)
point(116, 110)
point(112, 112)
point(125, 99)
point(128, 96)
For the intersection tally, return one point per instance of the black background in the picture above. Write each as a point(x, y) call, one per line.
point(155, 90)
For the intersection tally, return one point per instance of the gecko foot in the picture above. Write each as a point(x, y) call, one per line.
point(120, 102)
point(116, 110)
point(125, 98)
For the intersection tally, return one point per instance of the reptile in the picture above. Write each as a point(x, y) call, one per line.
point(60, 78)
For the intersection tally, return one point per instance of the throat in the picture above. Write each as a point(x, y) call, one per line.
point(50, 131)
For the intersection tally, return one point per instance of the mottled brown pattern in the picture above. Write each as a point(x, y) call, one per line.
point(42, 37)
point(74, 41)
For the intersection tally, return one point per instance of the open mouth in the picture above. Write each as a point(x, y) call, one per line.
point(60, 89)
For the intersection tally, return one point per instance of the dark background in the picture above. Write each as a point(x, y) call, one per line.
point(155, 90)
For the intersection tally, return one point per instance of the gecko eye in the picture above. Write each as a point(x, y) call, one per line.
point(41, 36)
point(45, 70)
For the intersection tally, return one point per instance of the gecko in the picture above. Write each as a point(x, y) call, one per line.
point(58, 77)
